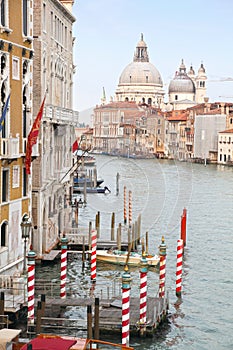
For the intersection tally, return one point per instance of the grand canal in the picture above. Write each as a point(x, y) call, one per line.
point(160, 190)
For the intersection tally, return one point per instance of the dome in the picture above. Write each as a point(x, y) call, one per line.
point(141, 73)
point(181, 85)
point(181, 82)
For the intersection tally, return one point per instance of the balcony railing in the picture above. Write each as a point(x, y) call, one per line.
point(9, 147)
point(63, 115)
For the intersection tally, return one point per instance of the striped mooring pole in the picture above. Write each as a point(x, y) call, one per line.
point(93, 254)
point(183, 226)
point(126, 279)
point(64, 242)
point(125, 203)
point(162, 268)
point(130, 208)
point(143, 293)
point(179, 262)
point(31, 286)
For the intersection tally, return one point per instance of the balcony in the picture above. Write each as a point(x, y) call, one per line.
point(60, 115)
point(9, 148)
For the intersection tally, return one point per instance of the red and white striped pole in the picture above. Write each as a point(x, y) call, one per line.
point(64, 242)
point(143, 293)
point(31, 286)
point(93, 254)
point(183, 226)
point(179, 262)
point(125, 210)
point(130, 208)
point(162, 268)
point(126, 279)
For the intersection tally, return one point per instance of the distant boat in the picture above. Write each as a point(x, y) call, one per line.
point(104, 189)
point(80, 182)
point(119, 257)
point(84, 158)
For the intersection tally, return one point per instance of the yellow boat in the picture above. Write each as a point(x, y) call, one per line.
point(119, 257)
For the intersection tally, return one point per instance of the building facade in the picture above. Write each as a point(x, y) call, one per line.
point(16, 52)
point(53, 78)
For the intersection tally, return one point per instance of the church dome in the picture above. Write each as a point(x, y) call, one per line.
point(181, 82)
point(140, 73)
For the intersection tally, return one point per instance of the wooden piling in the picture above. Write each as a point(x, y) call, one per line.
point(146, 250)
point(113, 227)
point(96, 319)
point(2, 307)
point(139, 229)
point(117, 183)
point(38, 317)
point(89, 322)
point(89, 235)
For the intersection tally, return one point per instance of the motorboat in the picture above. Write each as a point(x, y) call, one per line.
point(119, 257)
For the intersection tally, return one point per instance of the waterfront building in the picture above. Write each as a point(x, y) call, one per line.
point(53, 77)
point(225, 147)
point(207, 127)
point(16, 52)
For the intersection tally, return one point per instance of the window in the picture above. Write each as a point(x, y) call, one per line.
point(176, 97)
point(4, 230)
point(5, 184)
point(25, 17)
point(25, 183)
point(15, 179)
point(15, 68)
point(44, 17)
point(4, 13)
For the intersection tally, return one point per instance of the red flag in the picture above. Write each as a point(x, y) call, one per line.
point(32, 138)
point(75, 146)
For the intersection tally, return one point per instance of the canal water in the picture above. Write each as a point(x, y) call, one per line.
point(203, 318)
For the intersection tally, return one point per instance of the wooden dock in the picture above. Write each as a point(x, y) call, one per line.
point(109, 314)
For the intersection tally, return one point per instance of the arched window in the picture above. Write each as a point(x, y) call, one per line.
point(4, 230)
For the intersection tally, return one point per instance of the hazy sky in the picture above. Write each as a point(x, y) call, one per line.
point(107, 31)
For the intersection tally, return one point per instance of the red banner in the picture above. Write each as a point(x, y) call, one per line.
point(32, 138)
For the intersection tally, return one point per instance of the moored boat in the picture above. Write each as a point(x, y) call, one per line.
point(10, 340)
point(119, 257)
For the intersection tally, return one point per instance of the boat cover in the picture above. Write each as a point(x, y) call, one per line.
point(50, 344)
point(7, 335)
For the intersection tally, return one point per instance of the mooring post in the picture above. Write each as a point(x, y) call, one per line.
point(2, 307)
point(125, 203)
point(130, 208)
point(162, 268)
point(89, 234)
point(146, 243)
point(42, 299)
point(31, 287)
point(126, 280)
point(64, 242)
point(113, 227)
point(96, 319)
point(89, 322)
point(139, 229)
point(93, 254)
point(143, 293)
point(117, 183)
point(83, 254)
point(183, 227)
point(38, 317)
point(179, 261)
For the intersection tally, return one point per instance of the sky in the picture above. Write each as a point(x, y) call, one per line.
point(107, 32)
